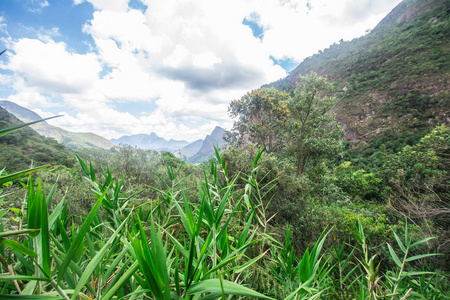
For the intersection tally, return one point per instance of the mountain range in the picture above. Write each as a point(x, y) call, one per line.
point(194, 152)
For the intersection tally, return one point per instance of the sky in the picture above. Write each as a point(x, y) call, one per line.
point(123, 67)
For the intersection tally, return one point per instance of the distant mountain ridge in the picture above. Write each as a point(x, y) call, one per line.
point(150, 141)
point(194, 152)
point(72, 140)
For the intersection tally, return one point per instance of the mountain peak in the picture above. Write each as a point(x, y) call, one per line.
point(22, 113)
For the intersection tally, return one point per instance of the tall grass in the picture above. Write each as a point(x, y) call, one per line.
point(215, 244)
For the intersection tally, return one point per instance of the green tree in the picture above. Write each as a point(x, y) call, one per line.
point(313, 133)
point(262, 116)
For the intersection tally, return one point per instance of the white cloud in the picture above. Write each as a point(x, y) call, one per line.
point(50, 68)
point(113, 5)
point(36, 6)
point(185, 59)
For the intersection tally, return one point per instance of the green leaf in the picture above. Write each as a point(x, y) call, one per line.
point(412, 258)
point(16, 232)
point(79, 238)
point(22, 277)
point(28, 297)
point(213, 287)
point(421, 242)
point(399, 242)
point(7, 130)
point(45, 239)
point(83, 165)
point(123, 279)
point(90, 268)
point(16, 246)
point(394, 256)
point(14, 176)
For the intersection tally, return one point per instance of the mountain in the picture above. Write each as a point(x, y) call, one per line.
point(72, 140)
point(191, 149)
point(393, 83)
point(207, 147)
point(194, 152)
point(150, 141)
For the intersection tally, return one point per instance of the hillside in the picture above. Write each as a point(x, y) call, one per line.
point(22, 147)
point(393, 83)
point(72, 140)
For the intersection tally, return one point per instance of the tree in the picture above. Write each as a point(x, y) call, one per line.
point(313, 133)
point(262, 117)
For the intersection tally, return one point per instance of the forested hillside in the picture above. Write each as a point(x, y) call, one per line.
point(393, 83)
point(22, 148)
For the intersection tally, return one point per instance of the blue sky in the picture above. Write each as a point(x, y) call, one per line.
point(121, 67)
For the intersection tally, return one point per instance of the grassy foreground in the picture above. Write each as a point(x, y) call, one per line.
point(215, 242)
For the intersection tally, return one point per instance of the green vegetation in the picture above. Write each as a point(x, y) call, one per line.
point(288, 211)
point(392, 84)
point(244, 225)
point(24, 147)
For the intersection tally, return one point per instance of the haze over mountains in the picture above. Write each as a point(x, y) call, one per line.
point(194, 152)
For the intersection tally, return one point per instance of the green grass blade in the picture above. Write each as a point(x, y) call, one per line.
point(22, 277)
point(83, 165)
point(7, 130)
point(123, 279)
point(416, 257)
point(394, 256)
point(90, 268)
point(16, 246)
point(45, 239)
point(421, 242)
point(399, 242)
point(213, 287)
point(17, 232)
point(28, 297)
point(79, 238)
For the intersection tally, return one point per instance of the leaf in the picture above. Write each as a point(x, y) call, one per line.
point(394, 256)
point(45, 239)
point(14, 176)
point(412, 258)
point(22, 277)
point(123, 279)
point(16, 232)
point(16, 246)
point(7, 130)
point(213, 287)
point(399, 242)
point(83, 165)
point(28, 297)
point(422, 241)
point(79, 238)
point(90, 268)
